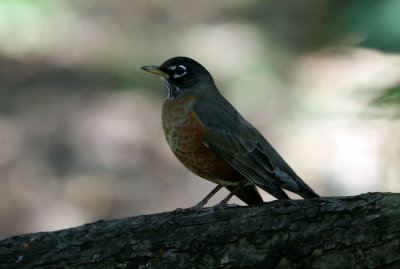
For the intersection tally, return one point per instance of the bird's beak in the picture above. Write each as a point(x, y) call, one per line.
point(155, 70)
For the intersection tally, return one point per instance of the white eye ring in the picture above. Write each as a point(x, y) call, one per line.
point(180, 71)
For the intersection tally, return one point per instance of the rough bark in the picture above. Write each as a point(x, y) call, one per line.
point(335, 232)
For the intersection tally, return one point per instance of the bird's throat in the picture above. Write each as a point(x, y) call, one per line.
point(172, 90)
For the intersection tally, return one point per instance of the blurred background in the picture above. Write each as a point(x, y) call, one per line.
point(80, 128)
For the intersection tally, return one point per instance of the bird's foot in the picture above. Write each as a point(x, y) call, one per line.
point(224, 205)
point(198, 207)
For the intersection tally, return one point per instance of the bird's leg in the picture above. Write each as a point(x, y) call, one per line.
point(208, 197)
point(204, 201)
point(224, 202)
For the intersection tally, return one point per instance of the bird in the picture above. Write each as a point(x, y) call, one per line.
point(210, 138)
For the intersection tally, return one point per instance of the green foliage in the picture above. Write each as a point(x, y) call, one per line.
point(374, 23)
point(389, 98)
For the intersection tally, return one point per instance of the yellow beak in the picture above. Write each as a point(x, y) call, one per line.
point(155, 70)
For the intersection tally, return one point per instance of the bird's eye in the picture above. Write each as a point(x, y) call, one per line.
point(180, 70)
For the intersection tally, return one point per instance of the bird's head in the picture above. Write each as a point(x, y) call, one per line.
point(182, 75)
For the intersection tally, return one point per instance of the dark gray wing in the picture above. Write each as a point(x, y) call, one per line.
point(243, 147)
point(239, 143)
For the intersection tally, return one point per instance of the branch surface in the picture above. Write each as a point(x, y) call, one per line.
point(333, 232)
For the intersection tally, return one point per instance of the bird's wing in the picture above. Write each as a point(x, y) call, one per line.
point(239, 144)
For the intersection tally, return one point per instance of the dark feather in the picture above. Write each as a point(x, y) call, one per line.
point(245, 149)
point(247, 194)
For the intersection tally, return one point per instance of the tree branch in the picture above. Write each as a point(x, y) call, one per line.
point(335, 232)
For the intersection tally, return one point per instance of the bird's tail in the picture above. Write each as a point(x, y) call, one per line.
point(248, 194)
point(295, 184)
point(305, 191)
point(308, 193)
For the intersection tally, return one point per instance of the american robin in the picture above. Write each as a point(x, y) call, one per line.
point(214, 141)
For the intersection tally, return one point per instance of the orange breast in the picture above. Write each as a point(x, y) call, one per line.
point(185, 135)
